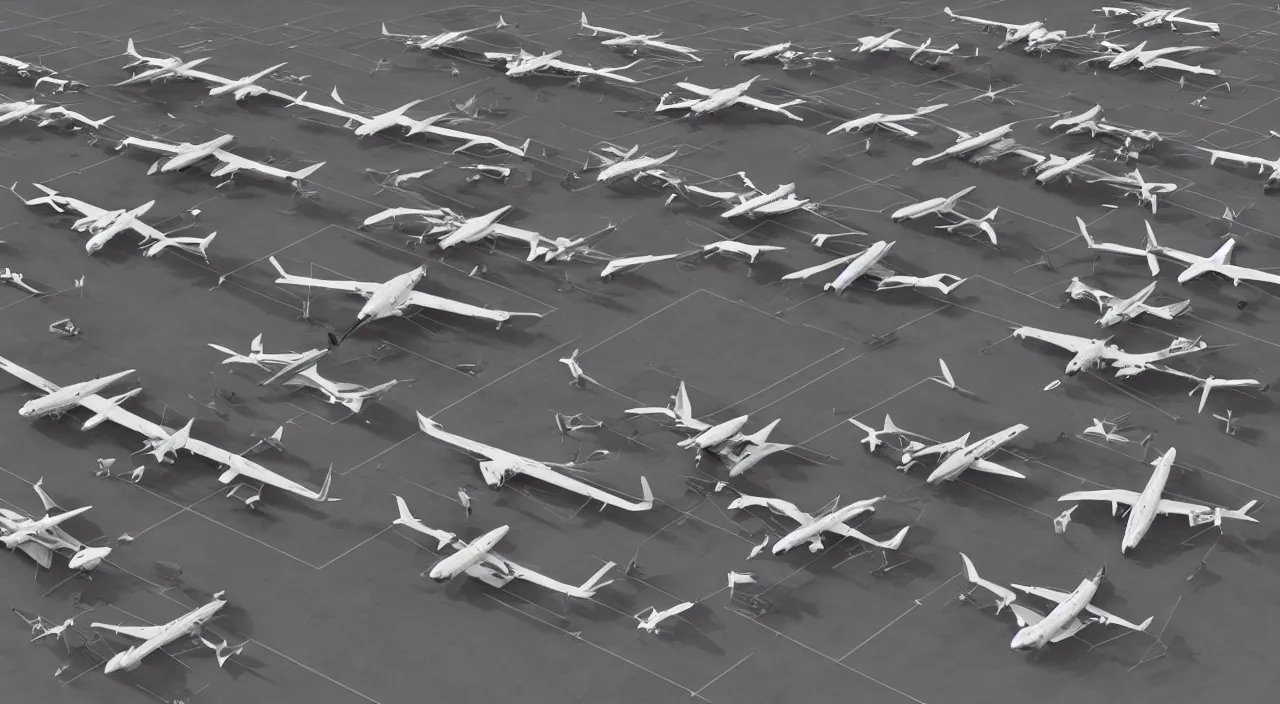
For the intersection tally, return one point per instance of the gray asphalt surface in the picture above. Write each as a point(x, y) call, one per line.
point(329, 597)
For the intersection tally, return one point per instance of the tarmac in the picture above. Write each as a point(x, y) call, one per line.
point(328, 597)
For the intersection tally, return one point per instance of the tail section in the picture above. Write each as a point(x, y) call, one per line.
point(298, 100)
point(950, 203)
point(895, 542)
point(203, 247)
point(50, 504)
point(302, 174)
point(324, 489)
point(130, 50)
point(1152, 244)
point(1143, 626)
point(114, 402)
point(591, 586)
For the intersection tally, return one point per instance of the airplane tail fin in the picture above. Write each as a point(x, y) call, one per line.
point(970, 572)
point(298, 100)
point(761, 436)
point(895, 542)
point(1143, 626)
point(302, 174)
point(1152, 245)
point(648, 494)
point(324, 489)
point(951, 201)
point(889, 426)
point(50, 504)
point(385, 33)
point(591, 586)
point(1102, 573)
point(1084, 232)
point(285, 277)
point(582, 22)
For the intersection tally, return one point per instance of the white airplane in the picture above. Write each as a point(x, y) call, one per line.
point(1118, 56)
point(1063, 621)
point(983, 224)
point(750, 251)
point(973, 456)
point(563, 249)
point(747, 56)
point(886, 42)
point(1206, 384)
point(966, 143)
point(1088, 353)
point(477, 559)
point(394, 297)
point(1150, 256)
point(1013, 33)
point(624, 265)
point(635, 42)
point(498, 466)
point(1071, 121)
point(162, 68)
point(714, 100)
point(39, 538)
point(59, 400)
point(872, 440)
point(1154, 17)
point(865, 263)
point(1218, 263)
point(812, 527)
point(474, 229)
point(104, 225)
point(156, 637)
point(625, 164)
point(1065, 168)
point(436, 42)
point(366, 126)
point(15, 111)
point(239, 88)
point(1273, 179)
point(429, 216)
point(1107, 129)
point(304, 372)
point(932, 206)
point(782, 200)
point(1134, 184)
point(1119, 310)
point(888, 122)
point(183, 155)
point(655, 618)
point(58, 115)
point(724, 439)
point(1157, 62)
point(526, 64)
point(942, 283)
point(1145, 506)
point(1106, 431)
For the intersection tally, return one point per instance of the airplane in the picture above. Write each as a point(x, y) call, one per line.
point(429, 216)
point(1013, 33)
point(787, 54)
point(1065, 168)
point(9, 276)
point(474, 229)
point(888, 122)
point(1157, 62)
point(563, 249)
point(886, 42)
point(1206, 384)
point(394, 297)
point(812, 527)
point(1134, 184)
point(714, 100)
point(60, 115)
point(1072, 121)
point(106, 224)
point(864, 263)
point(958, 457)
point(1218, 263)
point(747, 56)
point(303, 372)
point(781, 200)
point(1263, 164)
point(872, 440)
point(1145, 506)
point(1154, 17)
point(59, 400)
point(444, 40)
point(1150, 256)
point(239, 88)
point(499, 466)
point(932, 206)
point(1106, 431)
point(161, 68)
point(636, 41)
point(942, 283)
point(1063, 621)
point(183, 155)
point(40, 538)
point(23, 68)
point(750, 251)
point(366, 126)
point(623, 265)
point(14, 111)
point(1118, 56)
point(651, 622)
point(1107, 129)
point(724, 439)
point(982, 223)
point(966, 143)
point(1119, 310)
point(1088, 353)
point(477, 559)
point(156, 637)
point(625, 164)
point(526, 64)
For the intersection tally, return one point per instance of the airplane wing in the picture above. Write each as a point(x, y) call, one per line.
point(1216, 154)
point(895, 44)
point(514, 233)
point(327, 109)
point(543, 473)
point(762, 105)
point(42, 554)
point(697, 89)
point(1120, 496)
point(139, 632)
point(778, 506)
point(1026, 617)
point(1071, 343)
point(1111, 619)
point(151, 145)
point(1044, 593)
point(239, 162)
point(427, 300)
point(555, 585)
point(364, 288)
point(1246, 274)
point(1079, 289)
point(28, 376)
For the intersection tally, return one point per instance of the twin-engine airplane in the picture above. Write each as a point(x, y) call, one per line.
point(498, 466)
point(1145, 506)
point(40, 538)
point(156, 637)
point(160, 440)
point(299, 369)
point(394, 297)
point(1063, 621)
point(477, 559)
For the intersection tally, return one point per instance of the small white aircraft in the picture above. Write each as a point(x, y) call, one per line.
point(1218, 263)
point(714, 100)
point(392, 298)
point(1273, 179)
point(156, 637)
point(655, 618)
point(1145, 506)
point(364, 126)
point(39, 538)
point(872, 440)
point(982, 223)
point(15, 111)
point(932, 206)
point(1206, 384)
point(1068, 166)
point(526, 64)
point(1119, 310)
point(1106, 431)
point(430, 216)
point(304, 372)
point(61, 399)
point(888, 122)
point(477, 559)
point(747, 56)
point(436, 42)
point(563, 249)
point(942, 283)
point(104, 225)
point(750, 251)
point(864, 263)
point(1150, 256)
point(1134, 184)
point(1089, 353)
point(498, 466)
point(886, 42)
point(1071, 121)
point(622, 164)
point(183, 155)
point(1063, 621)
point(635, 42)
point(812, 527)
point(756, 201)
point(961, 457)
point(966, 143)
point(162, 68)
point(1154, 17)
point(624, 265)
point(239, 88)
point(1013, 33)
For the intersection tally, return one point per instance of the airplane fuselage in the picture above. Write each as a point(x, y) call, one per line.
point(187, 625)
point(392, 297)
point(631, 167)
point(467, 557)
point(812, 532)
point(958, 462)
point(721, 99)
point(68, 397)
point(861, 265)
point(473, 229)
point(1143, 512)
point(1059, 619)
